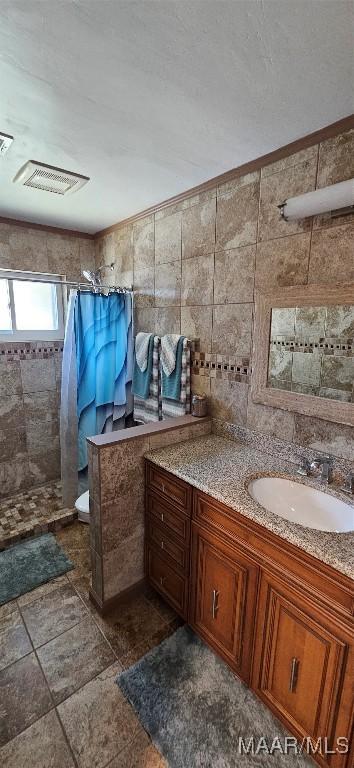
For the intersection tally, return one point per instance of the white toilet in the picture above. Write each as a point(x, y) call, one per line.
point(82, 504)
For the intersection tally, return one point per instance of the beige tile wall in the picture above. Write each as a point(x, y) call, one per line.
point(30, 388)
point(195, 266)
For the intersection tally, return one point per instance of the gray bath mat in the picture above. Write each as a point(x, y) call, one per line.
point(195, 710)
point(29, 564)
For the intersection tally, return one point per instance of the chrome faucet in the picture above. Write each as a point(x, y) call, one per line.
point(348, 486)
point(320, 466)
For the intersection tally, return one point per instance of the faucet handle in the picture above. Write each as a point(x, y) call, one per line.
point(348, 486)
point(304, 467)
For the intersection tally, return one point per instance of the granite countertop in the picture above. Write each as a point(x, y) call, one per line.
point(223, 468)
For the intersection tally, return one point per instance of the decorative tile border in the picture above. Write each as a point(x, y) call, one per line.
point(36, 350)
point(221, 367)
point(323, 346)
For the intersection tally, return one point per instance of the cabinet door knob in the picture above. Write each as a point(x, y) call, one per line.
point(162, 517)
point(162, 545)
point(214, 603)
point(294, 672)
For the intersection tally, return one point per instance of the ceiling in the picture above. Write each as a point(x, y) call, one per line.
point(151, 98)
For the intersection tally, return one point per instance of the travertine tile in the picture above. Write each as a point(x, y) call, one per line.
point(12, 443)
point(336, 159)
point(232, 329)
point(130, 556)
point(52, 614)
point(143, 243)
point(236, 219)
point(168, 239)
point(283, 262)
point(122, 241)
point(11, 412)
point(332, 255)
point(228, 187)
point(337, 372)
point(10, 379)
point(144, 286)
point(14, 476)
point(122, 468)
point(283, 321)
point(44, 589)
point(273, 421)
point(310, 321)
point(132, 623)
point(29, 249)
point(200, 385)
point(107, 721)
point(168, 320)
point(121, 518)
point(44, 466)
point(325, 436)
point(197, 280)
point(275, 189)
point(42, 437)
point(229, 401)
point(198, 229)
point(14, 640)
point(21, 708)
point(41, 745)
point(280, 364)
point(306, 369)
point(340, 322)
point(63, 256)
point(308, 155)
point(196, 323)
point(234, 275)
point(75, 657)
point(87, 252)
point(141, 753)
point(38, 375)
point(41, 407)
point(145, 319)
point(168, 284)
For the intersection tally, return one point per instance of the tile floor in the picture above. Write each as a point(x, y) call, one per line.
point(35, 511)
point(59, 704)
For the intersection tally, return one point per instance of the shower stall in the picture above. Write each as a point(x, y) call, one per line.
point(34, 317)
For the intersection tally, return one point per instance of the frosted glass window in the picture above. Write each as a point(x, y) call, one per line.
point(35, 306)
point(5, 311)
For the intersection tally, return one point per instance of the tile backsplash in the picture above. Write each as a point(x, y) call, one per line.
point(196, 264)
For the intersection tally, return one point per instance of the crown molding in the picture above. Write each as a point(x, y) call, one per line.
point(328, 132)
point(45, 228)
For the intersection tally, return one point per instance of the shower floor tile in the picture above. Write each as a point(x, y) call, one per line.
point(35, 511)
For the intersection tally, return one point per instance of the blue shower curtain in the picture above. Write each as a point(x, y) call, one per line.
point(98, 357)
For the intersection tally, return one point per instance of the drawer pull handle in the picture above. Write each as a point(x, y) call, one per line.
point(214, 603)
point(162, 545)
point(162, 580)
point(163, 487)
point(162, 517)
point(294, 672)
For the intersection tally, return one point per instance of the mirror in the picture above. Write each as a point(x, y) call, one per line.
point(311, 351)
point(303, 350)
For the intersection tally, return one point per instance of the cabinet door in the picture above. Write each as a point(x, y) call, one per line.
point(299, 661)
point(224, 586)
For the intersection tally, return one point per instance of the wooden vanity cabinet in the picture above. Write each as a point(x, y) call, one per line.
point(223, 598)
point(282, 620)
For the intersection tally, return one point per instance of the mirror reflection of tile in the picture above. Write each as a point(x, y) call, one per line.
point(311, 351)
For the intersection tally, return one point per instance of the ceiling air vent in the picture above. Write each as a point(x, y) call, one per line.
point(49, 179)
point(5, 142)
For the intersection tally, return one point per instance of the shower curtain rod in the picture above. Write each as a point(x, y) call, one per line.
point(75, 284)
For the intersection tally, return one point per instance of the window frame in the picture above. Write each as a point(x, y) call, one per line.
point(35, 334)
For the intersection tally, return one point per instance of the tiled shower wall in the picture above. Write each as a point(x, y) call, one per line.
point(195, 266)
point(30, 372)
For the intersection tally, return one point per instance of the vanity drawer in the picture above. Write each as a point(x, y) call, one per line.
point(174, 490)
point(170, 519)
point(172, 586)
point(176, 553)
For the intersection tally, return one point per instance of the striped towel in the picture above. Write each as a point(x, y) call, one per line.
point(181, 407)
point(150, 409)
point(143, 365)
point(171, 382)
point(169, 344)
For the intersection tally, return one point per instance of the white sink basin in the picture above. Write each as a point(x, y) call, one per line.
point(302, 504)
